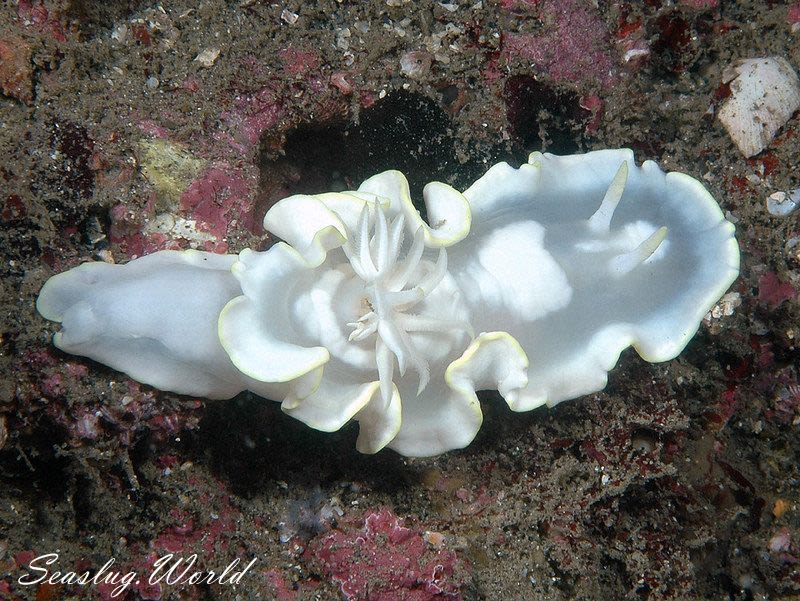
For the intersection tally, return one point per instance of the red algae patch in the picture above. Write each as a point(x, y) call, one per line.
point(383, 559)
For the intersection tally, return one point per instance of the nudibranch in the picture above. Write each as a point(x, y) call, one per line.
point(531, 282)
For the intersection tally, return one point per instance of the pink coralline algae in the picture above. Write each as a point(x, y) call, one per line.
point(782, 541)
point(16, 68)
point(782, 548)
point(773, 292)
point(593, 104)
point(793, 14)
point(250, 117)
point(5, 591)
point(219, 201)
point(298, 62)
point(572, 46)
point(127, 418)
point(186, 544)
point(385, 561)
point(34, 14)
point(217, 198)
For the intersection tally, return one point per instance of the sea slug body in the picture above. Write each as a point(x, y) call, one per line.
point(531, 282)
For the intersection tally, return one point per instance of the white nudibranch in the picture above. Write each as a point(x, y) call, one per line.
point(531, 282)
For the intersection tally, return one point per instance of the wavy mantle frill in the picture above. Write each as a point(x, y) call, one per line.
point(531, 282)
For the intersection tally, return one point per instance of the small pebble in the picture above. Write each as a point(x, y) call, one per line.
point(289, 17)
point(782, 204)
point(780, 508)
point(208, 57)
point(120, 33)
point(781, 542)
point(415, 64)
point(434, 539)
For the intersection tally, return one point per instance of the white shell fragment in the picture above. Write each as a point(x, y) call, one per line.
point(208, 57)
point(782, 204)
point(726, 306)
point(765, 92)
point(177, 227)
point(531, 283)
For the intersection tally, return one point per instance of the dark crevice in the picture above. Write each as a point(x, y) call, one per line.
point(95, 18)
point(248, 441)
point(404, 131)
point(541, 118)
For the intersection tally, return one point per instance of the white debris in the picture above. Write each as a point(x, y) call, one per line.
point(415, 64)
point(725, 307)
point(635, 53)
point(120, 33)
point(764, 94)
point(343, 38)
point(782, 204)
point(792, 247)
point(289, 17)
point(178, 227)
point(208, 57)
point(105, 256)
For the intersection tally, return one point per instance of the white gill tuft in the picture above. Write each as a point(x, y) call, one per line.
point(392, 286)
